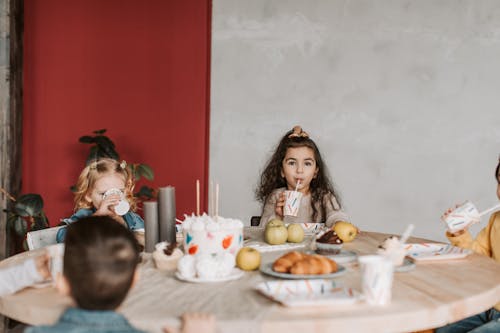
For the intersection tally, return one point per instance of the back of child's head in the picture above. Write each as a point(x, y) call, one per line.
point(100, 168)
point(271, 177)
point(100, 259)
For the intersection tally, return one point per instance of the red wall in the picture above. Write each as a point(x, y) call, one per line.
point(140, 69)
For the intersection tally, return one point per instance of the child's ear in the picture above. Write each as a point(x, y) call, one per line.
point(316, 172)
point(62, 285)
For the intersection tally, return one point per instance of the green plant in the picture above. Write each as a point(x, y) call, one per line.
point(103, 146)
point(25, 214)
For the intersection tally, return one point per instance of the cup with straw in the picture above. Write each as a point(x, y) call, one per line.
point(465, 215)
point(292, 201)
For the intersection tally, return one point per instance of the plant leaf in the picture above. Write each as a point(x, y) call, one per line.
point(145, 192)
point(20, 226)
point(29, 205)
point(86, 139)
point(145, 171)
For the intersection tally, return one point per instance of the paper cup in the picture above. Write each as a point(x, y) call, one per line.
point(292, 203)
point(462, 216)
point(123, 206)
point(376, 279)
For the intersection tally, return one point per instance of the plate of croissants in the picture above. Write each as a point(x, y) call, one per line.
point(299, 265)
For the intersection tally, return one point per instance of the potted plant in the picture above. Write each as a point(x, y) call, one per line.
point(103, 146)
point(25, 214)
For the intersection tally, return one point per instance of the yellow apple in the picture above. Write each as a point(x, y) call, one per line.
point(248, 259)
point(295, 233)
point(346, 231)
point(275, 223)
point(276, 235)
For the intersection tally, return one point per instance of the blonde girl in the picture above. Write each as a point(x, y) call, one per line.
point(94, 181)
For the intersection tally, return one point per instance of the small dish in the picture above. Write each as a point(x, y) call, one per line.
point(342, 257)
point(328, 249)
point(268, 270)
point(234, 275)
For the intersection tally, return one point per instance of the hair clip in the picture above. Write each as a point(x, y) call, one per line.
point(93, 165)
point(298, 133)
point(123, 164)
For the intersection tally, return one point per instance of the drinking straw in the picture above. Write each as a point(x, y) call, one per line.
point(197, 197)
point(407, 233)
point(489, 210)
point(297, 186)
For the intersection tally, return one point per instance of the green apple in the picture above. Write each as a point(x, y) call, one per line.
point(295, 233)
point(276, 235)
point(275, 223)
point(248, 259)
point(346, 231)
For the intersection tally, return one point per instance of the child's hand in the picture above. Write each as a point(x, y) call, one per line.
point(280, 203)
point(42, 265)
point(448, 211)
point(194, 323)
point(107, 204)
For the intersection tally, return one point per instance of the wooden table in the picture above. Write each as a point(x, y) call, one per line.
point(431, 295)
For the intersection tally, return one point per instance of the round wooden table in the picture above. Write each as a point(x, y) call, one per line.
point(431, 295)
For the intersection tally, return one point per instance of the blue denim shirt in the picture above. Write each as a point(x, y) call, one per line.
point(75, 320)
point(133, 221)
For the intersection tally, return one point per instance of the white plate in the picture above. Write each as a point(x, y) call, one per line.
point(234, 275)
point(435, 251)
point(268, 269)
point(308, 292)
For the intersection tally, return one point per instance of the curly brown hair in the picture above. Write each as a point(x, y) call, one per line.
point(272, 179)
point(97, 169)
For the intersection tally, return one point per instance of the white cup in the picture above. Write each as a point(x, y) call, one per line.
point(123, 206)
point(292, 203)
point(462, 216)
point(377, 273)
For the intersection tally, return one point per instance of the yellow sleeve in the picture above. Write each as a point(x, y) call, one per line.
point(481, 244)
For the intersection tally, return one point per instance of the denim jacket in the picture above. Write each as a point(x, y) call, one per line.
point(75, 320)
point(133, 221)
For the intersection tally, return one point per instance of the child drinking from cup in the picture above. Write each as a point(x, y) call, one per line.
point(105, 187)
point(487, 243)
point(297, 166)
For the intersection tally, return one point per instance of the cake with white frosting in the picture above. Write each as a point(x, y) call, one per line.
point(210, 246)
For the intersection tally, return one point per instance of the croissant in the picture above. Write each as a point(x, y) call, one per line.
point(285, 262)
point(314, 265)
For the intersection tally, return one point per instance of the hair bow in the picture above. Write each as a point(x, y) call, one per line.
point(298, 133)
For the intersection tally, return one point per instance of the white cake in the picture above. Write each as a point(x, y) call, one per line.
point(210, 246)
point(208, 235)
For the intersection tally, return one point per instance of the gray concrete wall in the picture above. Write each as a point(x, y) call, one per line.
point(402, 98)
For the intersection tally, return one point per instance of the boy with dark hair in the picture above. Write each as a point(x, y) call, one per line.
point(100, 261)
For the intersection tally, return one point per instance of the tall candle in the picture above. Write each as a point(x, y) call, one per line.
point(151, 225)
point(166, 201)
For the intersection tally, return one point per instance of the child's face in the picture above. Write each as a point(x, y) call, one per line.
point(106, 182)
point(299, 164)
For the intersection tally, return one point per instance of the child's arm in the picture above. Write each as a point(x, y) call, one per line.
point(20, 276)
point(482, 243)
point(333, 212)
point(194, 323)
